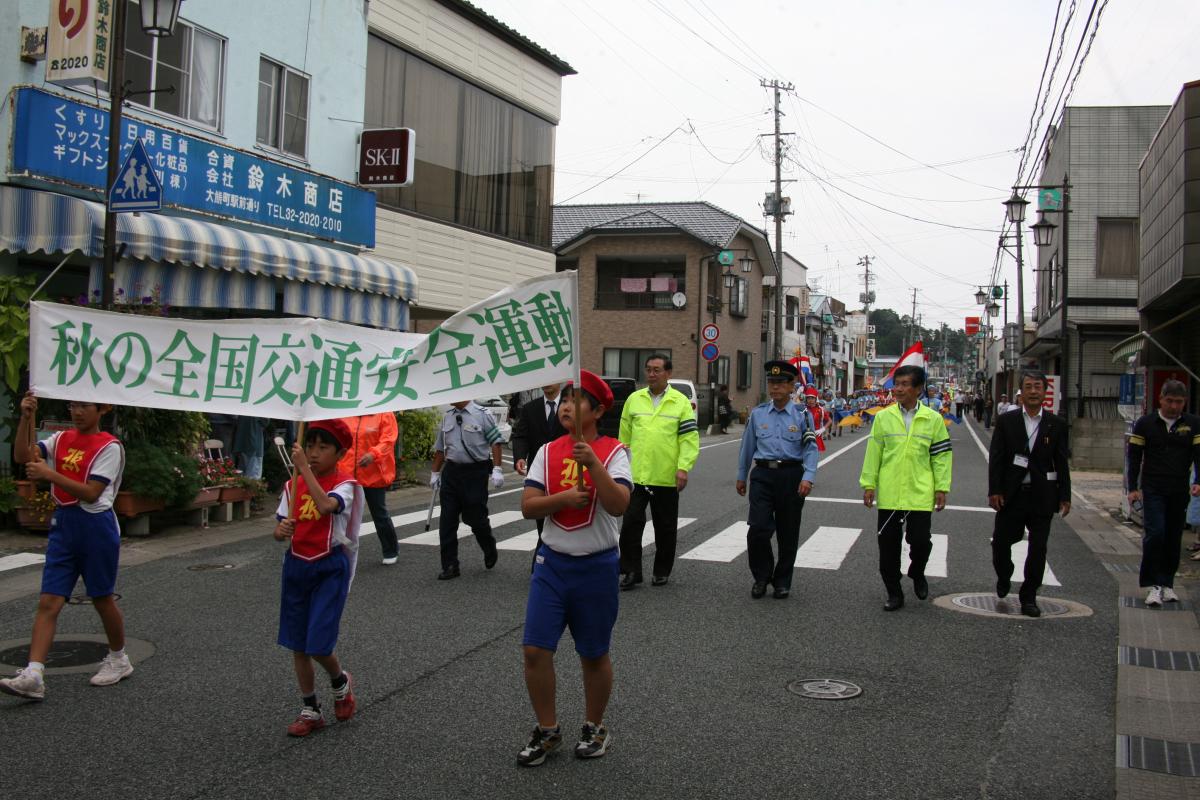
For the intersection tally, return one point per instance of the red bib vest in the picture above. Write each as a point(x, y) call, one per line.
point(74, 454)
point(562, 473)
point(820, 416)
point(313, 537)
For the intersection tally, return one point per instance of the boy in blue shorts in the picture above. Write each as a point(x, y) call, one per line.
point(582, 488)
point(84, 469)
point(322, 528)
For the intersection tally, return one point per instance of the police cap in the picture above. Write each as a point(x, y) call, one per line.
point(781, 371)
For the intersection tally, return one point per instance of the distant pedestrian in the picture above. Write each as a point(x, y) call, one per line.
point(248, 445)
point(988, 408)
point(536, 424)
point(906, 471)
point(779, 442)
point(978, 403)
point(371, 460)
point(659, 427)
point(467, 445)
point(820, 416)
point(319, 516)
point(1029, 478)
point(1164, 455)
point(724, 409)
point(583, 487)
point(84, 466)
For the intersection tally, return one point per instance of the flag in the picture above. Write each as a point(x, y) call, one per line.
point(914, 356)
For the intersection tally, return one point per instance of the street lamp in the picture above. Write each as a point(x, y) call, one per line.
point(981, 296)
point(158, 19)
point(993, 309)
point(1043, 235)
point(1043, 230)
point(1016, 208)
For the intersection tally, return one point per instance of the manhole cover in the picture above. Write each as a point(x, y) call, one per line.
point(988, 605)
point(71, 653)
point(210, 567)
point(824, 689)
point(84, 600)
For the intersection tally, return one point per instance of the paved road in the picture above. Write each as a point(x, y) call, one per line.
point(954, 705)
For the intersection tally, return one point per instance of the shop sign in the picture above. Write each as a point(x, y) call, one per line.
point(78, 40)
point(62, 140)
point(386, 156)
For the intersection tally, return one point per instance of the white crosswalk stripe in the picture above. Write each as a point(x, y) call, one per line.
point(18, 560)
point(936, 566)
point(502, 518)
point(528, 541)
point(826, 548)
point(1019, 552)
point(725, 546)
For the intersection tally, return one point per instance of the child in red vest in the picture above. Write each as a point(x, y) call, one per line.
point(84, 469)
point(322, 526)
point(821, 416)
point(582, 488)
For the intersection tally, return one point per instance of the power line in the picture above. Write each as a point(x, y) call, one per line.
point(1040, 97)
point(716, 49)
point(657, 144)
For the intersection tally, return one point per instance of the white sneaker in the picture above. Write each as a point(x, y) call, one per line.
point(112, 670)
point(27, 683)
point(1154, 597)
point(389, 560)
point(1168, 595)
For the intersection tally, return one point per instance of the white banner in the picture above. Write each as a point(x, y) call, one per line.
point(306, 369)
point(79, 41)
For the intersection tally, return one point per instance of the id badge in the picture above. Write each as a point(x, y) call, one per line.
point(1021, 461)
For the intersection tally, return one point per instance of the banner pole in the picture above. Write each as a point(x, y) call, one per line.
point(578, 356)
point(295, 474)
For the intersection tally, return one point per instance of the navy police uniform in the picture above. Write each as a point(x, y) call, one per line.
point(780, 444)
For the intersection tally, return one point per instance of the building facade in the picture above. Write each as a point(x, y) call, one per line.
point(795, 305)
point(652, 276)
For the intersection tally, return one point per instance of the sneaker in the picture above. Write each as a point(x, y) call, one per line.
point(1154, 597)
point(594, 741)
point(310, 720)
point(1168, 595)
point(27, 683)
point(389, 560)
point(112, 670)
point(541, 742)
point(343, 700)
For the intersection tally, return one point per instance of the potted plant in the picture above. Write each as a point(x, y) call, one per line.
point(34, 514)
point(161, 477)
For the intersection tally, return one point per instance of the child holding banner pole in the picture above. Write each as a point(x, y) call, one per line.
point(84, 468)
point(319, 515)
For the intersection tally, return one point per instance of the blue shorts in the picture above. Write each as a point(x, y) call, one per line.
point(579, 592)
point(312, 596)
point(81, 544)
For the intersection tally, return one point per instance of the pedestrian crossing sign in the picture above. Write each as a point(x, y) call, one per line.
point(137, 187)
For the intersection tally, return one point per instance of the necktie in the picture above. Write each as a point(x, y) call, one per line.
point(549, 409)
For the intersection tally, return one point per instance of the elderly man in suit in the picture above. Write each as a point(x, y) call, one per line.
point(1028, 480)
point(536, 425)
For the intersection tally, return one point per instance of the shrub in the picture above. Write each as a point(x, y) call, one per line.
point(158, 473)
point(418, 432)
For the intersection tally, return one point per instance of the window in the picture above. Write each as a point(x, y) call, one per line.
point(627, 283)
point(738, 298)
point(1116, 248)
point(793, 312)
point(720, 371)
point(481, 161)
point(282, 108)
point(745, 365)
point(192, 62)
point(628, 362)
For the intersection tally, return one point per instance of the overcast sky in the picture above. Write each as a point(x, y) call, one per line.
point(946, 88)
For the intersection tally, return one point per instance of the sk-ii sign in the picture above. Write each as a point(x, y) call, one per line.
point(386, 156)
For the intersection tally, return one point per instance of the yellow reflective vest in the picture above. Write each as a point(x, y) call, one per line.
point(661, 440)
point(906, 466)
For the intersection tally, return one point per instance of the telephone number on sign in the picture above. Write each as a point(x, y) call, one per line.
point(308, 219)
point(71, 62)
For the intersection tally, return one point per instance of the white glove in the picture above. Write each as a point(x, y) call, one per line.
point(435, 480)
point(497, 478)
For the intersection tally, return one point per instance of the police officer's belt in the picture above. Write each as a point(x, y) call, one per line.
point(762, 462)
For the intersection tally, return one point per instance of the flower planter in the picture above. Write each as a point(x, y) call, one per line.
point(235, 494)
point(129, 504)
point(206, 497)
point(25, 489)
point(33, 520)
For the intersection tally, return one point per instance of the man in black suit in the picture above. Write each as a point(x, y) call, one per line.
point(1028, 480)
point(536, 425)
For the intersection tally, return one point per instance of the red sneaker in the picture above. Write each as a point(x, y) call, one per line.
point(308, 722)
point(343, 701)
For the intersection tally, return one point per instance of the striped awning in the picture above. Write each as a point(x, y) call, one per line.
point(32, 221)
point(1127, 348)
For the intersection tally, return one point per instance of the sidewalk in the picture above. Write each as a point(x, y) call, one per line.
point(1158, 653)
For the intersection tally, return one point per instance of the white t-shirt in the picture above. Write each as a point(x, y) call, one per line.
point(107, 468)
point(343, 493)
point(605, 529)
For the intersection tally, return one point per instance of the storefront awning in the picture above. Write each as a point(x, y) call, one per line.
point(1127, 348)
point(32, 221)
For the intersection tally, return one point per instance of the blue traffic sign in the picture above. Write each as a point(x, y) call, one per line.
point(137, 187)
point(709, 352)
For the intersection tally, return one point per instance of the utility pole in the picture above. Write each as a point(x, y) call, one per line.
point(779, 214)
point(865, 263)
point(911, 334)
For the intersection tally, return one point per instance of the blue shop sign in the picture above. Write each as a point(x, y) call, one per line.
point(62, 140)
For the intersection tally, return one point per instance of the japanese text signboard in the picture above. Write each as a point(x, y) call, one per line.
point(62, 140)
point(306, 369)
point(78, 40)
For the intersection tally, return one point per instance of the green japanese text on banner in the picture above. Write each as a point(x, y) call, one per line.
point(302, 368)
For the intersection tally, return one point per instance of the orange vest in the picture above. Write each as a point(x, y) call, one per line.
point(313, 537)
point(74, 454)
point(562, 473)
point(375, 434)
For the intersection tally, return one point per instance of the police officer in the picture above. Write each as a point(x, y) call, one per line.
point(464, 438)
point(781, 444)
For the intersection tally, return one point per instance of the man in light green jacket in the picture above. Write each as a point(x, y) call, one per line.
point(906, 472)
point(659, 427)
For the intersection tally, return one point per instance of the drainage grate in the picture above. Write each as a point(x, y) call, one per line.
point(84, 600)
point(211, 567)
point(824, 689)
point(1158, 755)
point(1137, 602)
point(988, 605)
point(1159, 659)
